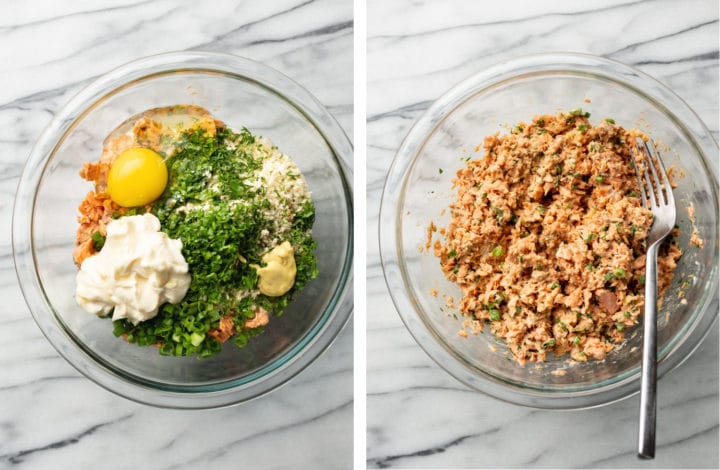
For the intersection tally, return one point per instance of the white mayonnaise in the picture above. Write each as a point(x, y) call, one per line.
point(138, 269)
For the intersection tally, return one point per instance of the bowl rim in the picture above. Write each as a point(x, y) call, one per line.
point(220, 393)
point(390, 223)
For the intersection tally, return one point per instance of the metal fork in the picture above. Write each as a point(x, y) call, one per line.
point(657, 196)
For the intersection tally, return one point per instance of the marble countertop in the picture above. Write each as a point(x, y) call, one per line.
point(50, 415)
point(417, 414)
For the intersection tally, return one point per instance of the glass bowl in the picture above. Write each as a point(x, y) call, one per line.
point(418, 188)
point(241, 93)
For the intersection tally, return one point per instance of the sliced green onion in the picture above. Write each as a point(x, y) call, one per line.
point(196, 339)
point(98, 241)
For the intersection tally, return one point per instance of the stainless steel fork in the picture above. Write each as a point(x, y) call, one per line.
point(657, 196)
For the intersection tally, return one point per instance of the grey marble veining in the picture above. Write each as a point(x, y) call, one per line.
point(50, 415)
point(418, 415)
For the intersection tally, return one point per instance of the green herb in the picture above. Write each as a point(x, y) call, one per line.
point(615, 274)
point(576, 340)
point(619, 326)
point(641, 279)
point(494, 314)
point(498, 215)
point(554, 285)
point(600, 178)
point(98, 241)
point(563, 326)
point(452, 253)
point(627, 314)
point(549, 343)
point(497, 251)
point(582, 127)
point(576, 112)
point(611, 121)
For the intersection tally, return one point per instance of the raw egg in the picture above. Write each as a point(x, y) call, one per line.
point(137, 177)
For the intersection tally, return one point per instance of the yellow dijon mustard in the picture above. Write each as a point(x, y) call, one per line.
point(278, 275)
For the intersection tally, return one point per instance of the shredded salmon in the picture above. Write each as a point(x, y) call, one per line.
point(261, 318)
point(226, 326)
point(224, 330)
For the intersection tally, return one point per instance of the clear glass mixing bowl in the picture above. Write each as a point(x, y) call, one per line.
point(416, 192)
point(241, 93)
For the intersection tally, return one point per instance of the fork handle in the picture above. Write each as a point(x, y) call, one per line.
point(648, 387)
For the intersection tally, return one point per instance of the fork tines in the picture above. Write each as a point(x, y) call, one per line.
point(653, 190)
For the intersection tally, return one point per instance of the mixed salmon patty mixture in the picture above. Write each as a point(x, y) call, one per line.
point(547, 238)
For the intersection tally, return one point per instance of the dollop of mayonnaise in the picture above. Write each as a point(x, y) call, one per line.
point(138, 269)
point(278, 275)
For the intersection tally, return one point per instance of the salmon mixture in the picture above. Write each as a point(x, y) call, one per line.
point(547, 238)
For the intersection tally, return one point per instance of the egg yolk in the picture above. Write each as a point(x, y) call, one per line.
point(137, 177)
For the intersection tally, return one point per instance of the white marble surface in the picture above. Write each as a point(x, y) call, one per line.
point(50, 415)
point(418, 415)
